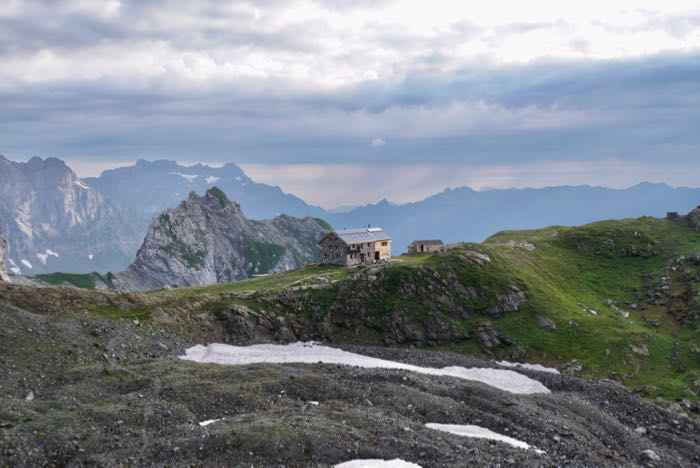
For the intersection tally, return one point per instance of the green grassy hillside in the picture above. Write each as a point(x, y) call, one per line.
point(622, 294)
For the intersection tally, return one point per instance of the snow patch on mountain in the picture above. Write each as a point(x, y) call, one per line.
point(43, 257)
point(27, 264)
point(188, 177)
point(478, 432)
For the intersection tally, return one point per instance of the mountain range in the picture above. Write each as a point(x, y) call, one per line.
point(98, 223)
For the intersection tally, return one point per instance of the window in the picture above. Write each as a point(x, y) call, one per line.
point(385, 243)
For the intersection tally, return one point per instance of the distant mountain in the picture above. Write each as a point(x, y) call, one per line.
point(464, 214)
point(207, 240)
point(54, 221)
point(147, 188)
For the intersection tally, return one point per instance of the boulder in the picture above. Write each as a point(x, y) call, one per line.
point(546, 323)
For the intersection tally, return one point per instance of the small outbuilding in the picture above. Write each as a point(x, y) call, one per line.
point(424, 246)
point(355, 246)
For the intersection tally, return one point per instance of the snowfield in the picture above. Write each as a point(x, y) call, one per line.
point(312, 353)
point(480, 433)
point(395, 463)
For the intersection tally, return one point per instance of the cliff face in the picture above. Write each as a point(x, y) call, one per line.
point(3, 252)
point(53, 221)
point(207, 240)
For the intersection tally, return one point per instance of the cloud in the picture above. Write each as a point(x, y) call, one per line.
point(290, 82)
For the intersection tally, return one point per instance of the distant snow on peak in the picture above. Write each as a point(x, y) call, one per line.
point(80, 184)
point(212, 179)
point(43, 257)
point(188, 177)
point(27, 263)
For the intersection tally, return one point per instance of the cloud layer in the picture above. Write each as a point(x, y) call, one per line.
point(394, 83)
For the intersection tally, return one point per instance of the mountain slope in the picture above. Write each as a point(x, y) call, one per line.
point(207, 240)
point(53, 221)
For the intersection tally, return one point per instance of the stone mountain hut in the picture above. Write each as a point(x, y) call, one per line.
point(422, 246)
point(355, 246)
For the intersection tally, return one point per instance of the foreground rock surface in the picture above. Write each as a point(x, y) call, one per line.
point(80, 389)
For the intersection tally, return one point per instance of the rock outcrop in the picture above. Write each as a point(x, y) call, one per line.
point(208, 240)
point(53, 221)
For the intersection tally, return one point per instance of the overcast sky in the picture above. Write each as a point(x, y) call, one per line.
point(350, 101)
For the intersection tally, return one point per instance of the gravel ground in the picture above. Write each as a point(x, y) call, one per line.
point(76, 389)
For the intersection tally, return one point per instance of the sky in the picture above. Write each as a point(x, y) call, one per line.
point(346, 102)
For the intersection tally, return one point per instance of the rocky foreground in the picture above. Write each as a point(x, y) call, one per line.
point(82, 389)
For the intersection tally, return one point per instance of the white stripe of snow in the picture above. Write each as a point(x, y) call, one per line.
point(210, 421)
point(395, 463)
point(535, 367)
point(26, 263)
point(81, 184)
point(187, 177)
point(480, 433)
point(312, 353)
point(211, 179)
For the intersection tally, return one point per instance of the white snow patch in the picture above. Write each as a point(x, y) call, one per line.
point(91, 256)
point(188, 177)
point(376, 463)
point(312, 353)
point(238, 178)
point(81, 184)
point(315, 403)
point(26, 263)
point(24, 227)
point(210, 421)
point(211, 179)
point(45, 256)
point(480, 433)
point(524, 365)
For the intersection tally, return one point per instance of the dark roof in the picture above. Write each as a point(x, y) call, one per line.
point(428, 242)
point(353, 236)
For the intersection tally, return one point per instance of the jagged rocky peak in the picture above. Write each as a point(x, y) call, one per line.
point(207, 239)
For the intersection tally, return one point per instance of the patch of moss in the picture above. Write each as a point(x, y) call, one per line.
point(189, 256)
point(220, 195)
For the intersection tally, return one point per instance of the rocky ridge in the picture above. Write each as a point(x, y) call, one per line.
point(207, 240)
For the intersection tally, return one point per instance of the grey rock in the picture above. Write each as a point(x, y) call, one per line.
point(642, 350)
point(649, 456)
point(696, 387)
point(509, 302)
point(546, 323)
point(208, 240)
